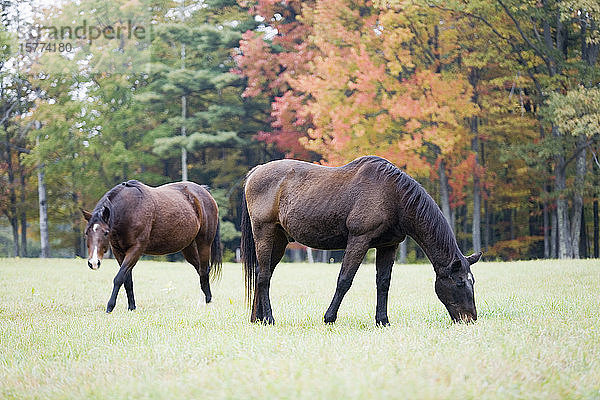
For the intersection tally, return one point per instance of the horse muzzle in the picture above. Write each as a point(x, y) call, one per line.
point(464, 317)
point(94, 264)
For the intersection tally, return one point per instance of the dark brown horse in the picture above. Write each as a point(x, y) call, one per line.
point(136, 219)
point(368, 203)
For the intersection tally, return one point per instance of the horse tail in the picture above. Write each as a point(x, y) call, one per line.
point(216, 255)
point(248, 250)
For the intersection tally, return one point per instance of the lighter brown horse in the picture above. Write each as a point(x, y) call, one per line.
point(135, 219)
point(368, 203)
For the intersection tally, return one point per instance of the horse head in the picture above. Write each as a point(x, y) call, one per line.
point(454, 287)
point(96, 234)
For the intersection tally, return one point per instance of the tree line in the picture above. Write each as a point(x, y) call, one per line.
point(493, 106)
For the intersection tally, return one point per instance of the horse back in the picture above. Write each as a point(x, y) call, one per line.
point(320, 206)
point(203, 203)
point(181, 213)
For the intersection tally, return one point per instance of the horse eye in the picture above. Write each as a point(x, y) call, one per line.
point(105, 233)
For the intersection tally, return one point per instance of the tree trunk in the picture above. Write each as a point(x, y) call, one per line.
point(445, 194)
point(465, 221)
point(15, 232)
point(45, 247)
point(486, 210)
point(476, 191)
point(511, 220)
point(580, 170)
point(184, 166)
point(564, 237)
point(403, 251)
point(325, 256)
point(554, 235)
point(474, 125)
point(11, 212)
point(476, 215)
point(23, 214)
point(487, 231)
point(296, 255)
point(596, 229)
point(77, 236)
point(583, 237)
point(309, 255)
point(546, 231)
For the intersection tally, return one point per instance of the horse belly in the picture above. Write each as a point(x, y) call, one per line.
point(317, 233)
point(324, 243)
point(173, 231)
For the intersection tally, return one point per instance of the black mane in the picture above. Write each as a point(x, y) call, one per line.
point(106, 203)
point(416, 201)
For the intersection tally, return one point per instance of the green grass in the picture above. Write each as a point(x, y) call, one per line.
point(537, 336)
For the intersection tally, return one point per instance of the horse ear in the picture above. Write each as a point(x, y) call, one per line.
point(473, 258)
point(86, 214)
point(106, 214)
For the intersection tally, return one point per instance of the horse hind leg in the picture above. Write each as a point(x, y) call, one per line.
point(259, 310)
point(267, 237)
point(199, 257)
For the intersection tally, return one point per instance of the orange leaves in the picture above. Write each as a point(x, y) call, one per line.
point(348, 81)
point(256, 63)
point(368, 95)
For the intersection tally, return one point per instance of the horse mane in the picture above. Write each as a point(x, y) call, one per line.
point(106, 202)
point(415, 199)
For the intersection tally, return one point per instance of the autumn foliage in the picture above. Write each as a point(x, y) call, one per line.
point(348, 82)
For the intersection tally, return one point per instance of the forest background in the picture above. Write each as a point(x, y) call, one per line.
point(493, 106)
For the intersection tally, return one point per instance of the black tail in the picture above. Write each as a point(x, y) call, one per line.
point(248, 251)
point(216, 255)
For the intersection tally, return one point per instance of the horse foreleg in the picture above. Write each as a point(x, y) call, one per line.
point(384, 260)
point(355, 252)
point(131, 258)
point(128, 282)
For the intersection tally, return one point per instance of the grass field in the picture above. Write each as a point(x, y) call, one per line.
point(537, 336)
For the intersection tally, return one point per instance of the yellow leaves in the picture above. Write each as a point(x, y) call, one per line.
point(396, 38)
point(523, 171)
point(577, 112)
point(367, 93)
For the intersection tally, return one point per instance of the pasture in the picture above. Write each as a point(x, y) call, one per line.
point(537, 335)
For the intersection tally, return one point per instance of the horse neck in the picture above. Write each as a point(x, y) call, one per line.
point(430, 229)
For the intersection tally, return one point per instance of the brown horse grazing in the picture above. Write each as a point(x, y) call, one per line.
point(368, 203)
point(136, 219)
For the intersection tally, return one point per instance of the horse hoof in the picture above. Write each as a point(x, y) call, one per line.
point(268, 321)
point(328, 319)
point(131, 308)
point(383, 323)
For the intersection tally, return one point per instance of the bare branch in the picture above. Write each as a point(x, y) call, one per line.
point(525, 37)
point(7, 113)
point(14, 146)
